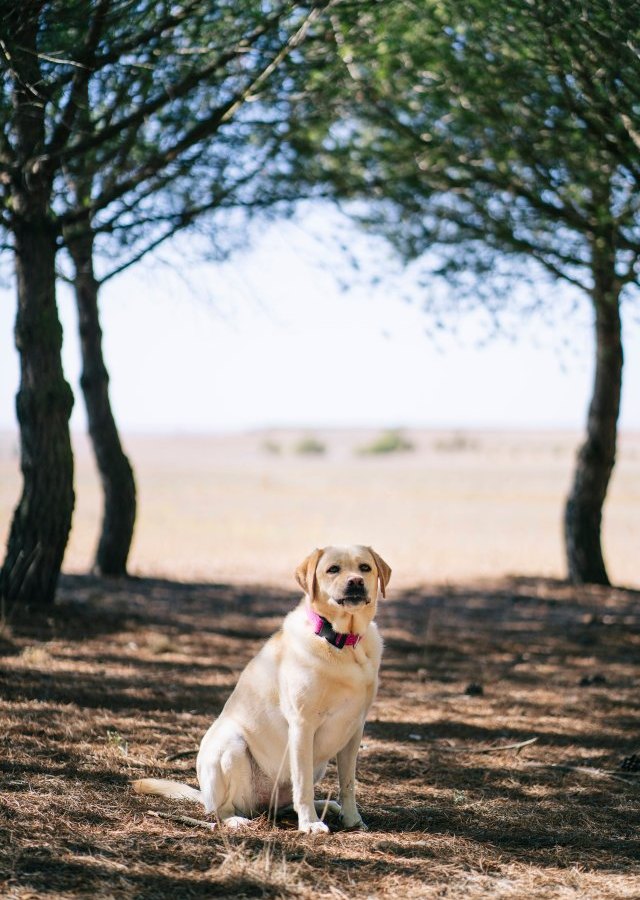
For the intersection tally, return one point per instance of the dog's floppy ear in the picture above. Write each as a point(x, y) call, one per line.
point(384, 571)
point(306, 573)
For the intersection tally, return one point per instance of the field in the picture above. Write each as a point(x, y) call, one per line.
point(485, 647)
point(247, 508)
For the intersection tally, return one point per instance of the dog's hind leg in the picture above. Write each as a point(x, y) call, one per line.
point(323, 806)
point(225, 775)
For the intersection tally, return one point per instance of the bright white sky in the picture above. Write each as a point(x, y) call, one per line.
point(269, 340)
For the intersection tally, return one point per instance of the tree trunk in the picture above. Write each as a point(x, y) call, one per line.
point(116, 474)
point(596, 458)
point(42, 519)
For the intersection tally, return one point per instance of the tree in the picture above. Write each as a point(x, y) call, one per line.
point(121, 100)
point(496, 134)
point(43, 517)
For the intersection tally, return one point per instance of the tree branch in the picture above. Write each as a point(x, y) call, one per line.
point(152, 245)
point(205, 128)
point(164, 97)
point(141, 39)
point(79, 82)
point(182, 220)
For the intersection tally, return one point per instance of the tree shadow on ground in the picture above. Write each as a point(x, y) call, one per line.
point(123, 674)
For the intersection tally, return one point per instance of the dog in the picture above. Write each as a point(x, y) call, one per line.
point(300, 702)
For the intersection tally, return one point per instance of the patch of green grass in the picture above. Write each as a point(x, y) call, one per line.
point(115, 739)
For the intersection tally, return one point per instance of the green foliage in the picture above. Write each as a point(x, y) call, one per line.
point(388, 442)
point(508, 130)
point(147, 124)
point(487, 142)
point(115, 739)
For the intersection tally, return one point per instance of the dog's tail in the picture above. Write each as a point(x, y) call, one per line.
point(165, 788)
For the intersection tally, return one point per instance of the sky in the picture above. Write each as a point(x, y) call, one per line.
point(272, 339)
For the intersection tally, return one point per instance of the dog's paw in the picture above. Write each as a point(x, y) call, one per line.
point(353, 824)
point(236, 822)
point(313, 828)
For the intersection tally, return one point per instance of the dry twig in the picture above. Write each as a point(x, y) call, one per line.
point(516, 747)
point(181, 754)
point(186, 820)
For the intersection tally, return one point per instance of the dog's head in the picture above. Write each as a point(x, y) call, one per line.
point(343, 584)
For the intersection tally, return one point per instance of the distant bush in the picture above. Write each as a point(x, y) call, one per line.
point(310, 446)
point(388, 442)
point(271, 447)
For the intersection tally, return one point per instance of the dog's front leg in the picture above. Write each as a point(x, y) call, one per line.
point(301, 757)
point(349, 815)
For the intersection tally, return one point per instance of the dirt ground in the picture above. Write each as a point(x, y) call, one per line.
point(125, 675)
point(122, 676)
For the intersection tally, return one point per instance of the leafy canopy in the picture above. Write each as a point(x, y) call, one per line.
point(511, 129)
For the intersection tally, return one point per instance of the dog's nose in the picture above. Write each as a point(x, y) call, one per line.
point(355, 581)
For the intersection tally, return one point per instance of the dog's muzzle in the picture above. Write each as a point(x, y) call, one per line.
point(353, 598)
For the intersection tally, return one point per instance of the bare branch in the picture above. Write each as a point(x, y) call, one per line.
point(148, 248)
point(179, 222)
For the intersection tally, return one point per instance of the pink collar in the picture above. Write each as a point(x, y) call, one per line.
point(324, 628)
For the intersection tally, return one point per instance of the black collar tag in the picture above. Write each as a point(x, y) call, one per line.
point(332, 637)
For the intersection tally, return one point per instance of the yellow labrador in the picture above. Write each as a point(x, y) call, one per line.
point(301, 701)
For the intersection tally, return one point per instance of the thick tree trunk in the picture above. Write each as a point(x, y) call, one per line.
point(596, 458)
point(116, 474)
point(42, 519)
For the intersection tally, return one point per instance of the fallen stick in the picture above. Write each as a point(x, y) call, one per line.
point(583, 770)
point(181, 754)
point(488, 749)
point(185, 820)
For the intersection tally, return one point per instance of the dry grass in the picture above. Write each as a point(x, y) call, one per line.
point(124, 675)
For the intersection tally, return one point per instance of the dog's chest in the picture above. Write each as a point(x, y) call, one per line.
point(339, 711)
point(340, 708)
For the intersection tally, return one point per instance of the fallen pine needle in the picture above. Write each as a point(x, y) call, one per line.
point(489, 749)
point(186, 820)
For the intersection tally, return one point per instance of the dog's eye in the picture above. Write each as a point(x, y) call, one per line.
point(333, 570)
point(365, 567)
